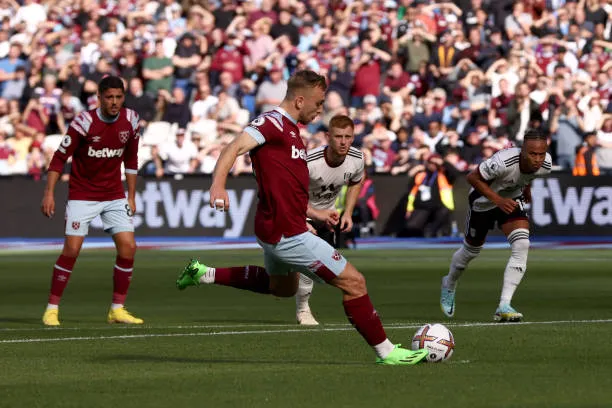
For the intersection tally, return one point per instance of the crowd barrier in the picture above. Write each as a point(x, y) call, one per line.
point(562, 206)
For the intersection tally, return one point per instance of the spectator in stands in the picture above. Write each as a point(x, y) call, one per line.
point(141, 102)
point(158, 70)
point(7, 155)
point(177, 110)
point(35, 162)
point(9, 65)
point(177, 157)
point(604, 143)
point(186, 59)
point(271, 91)
point(520, 111)
point(566, 126)
point(586, 158)
point(227, 85)
point(430, 202)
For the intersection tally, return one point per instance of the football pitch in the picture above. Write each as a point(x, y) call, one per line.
point(220, 347)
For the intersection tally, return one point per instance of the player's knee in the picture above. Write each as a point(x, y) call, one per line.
point(352, 282)
point(519, 244)
point(471, 249)
point(127, 249)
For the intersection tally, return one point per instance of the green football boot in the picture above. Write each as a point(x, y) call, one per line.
point(191, 274)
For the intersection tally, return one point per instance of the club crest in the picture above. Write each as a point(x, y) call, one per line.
point(124, 136)
point(76, 225)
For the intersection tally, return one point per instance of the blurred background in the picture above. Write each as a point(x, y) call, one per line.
point(432, 87)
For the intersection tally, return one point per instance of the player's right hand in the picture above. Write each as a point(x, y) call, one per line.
point(507, 205)
point(48, 206)
point(219, 200)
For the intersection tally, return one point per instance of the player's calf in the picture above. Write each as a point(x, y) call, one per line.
point(250, 277)
point(517, 264)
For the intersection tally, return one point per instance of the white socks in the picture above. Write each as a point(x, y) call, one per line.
point(303, 293)
point(517, 264)
point(50, 306)
point(115, 306)
point(209, 276)
point(461, 259)
point(383, 349)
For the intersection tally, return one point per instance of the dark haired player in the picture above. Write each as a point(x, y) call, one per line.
point(500, 190)
point(99, 141)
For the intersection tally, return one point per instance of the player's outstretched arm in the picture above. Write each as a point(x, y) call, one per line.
point(239, 146)
point(48, 202)
point(507, 205)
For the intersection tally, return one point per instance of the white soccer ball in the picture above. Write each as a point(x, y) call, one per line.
point(437, 339)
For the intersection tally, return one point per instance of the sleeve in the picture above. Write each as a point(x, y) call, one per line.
point(358, 176)
point(130, 159)
point(492, 168)
point(264, 129)
point(72, 139)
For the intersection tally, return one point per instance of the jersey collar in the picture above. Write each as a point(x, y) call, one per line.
point(285, 114)
point(103, 119)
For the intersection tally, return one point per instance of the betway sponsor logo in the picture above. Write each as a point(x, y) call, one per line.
point(298, 153)
point(104, 153)
point(161, 206)
point(574, 206)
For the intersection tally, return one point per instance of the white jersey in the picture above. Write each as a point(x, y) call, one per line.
point(505, 178)
point(327, 181)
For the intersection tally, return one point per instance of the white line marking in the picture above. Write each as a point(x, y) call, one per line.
point(323, 329)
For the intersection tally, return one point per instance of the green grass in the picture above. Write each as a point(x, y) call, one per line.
point(219, 347)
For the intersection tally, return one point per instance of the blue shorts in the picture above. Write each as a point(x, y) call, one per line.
point(116, 216)
point(305, 253)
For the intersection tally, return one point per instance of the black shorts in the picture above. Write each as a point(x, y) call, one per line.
point(479, 223)
point(328, 236)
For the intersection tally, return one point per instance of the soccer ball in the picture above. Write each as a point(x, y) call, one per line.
point(437, 339)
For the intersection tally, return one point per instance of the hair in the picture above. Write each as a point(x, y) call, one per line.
point(304, 79)
point(341, 122)
point(110, 82)
point(535, 134)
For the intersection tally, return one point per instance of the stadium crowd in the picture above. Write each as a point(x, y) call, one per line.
point(462, 79)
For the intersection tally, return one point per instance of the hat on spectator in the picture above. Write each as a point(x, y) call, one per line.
point(369, 99)
point(180, 132)
point(464, 105)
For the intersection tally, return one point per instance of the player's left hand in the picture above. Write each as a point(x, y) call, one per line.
point(219, 200)
point(132, 204)
point(346, 222)
point(48, 205)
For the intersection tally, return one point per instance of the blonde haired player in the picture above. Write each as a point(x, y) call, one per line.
point(279, 163)
point(330, 167)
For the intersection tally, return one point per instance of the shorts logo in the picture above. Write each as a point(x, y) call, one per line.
point(124, 136)
point(336, 256)
point(76, 225)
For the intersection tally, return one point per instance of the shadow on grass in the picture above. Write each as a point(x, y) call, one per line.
point(28, 321)
point(246, 322)
point(132, 358)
